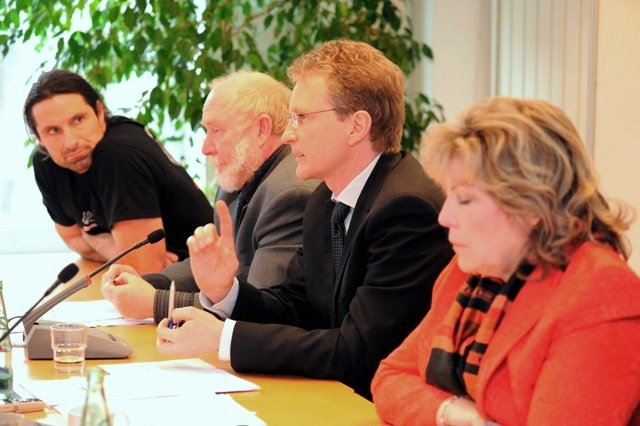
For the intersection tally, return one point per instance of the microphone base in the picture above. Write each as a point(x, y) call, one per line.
point(100, 345)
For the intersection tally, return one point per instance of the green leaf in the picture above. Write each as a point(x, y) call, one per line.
point(130, 18)
point(184, 45)
point(267, 21)
point(113, 14)
point(174, 106)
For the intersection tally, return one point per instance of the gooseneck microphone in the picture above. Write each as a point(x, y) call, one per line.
point(152, 238)
point(29, 320)
point(65, 275)
point(100, 345)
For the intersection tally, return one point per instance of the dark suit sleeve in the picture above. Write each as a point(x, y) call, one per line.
point(186, 287)
point(398, 252)
point(183, 298)
point(180, 272)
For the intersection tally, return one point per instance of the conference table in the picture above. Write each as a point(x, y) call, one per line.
point(281, 400)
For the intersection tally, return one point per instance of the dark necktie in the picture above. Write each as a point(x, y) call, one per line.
point(340, 212)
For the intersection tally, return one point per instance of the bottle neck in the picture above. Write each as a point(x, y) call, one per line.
point(95, 412)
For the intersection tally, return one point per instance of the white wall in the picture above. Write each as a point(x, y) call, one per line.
point(24, 222)
point(617, 112)
point(459, 33)
point(466, 57)
point(546, 49)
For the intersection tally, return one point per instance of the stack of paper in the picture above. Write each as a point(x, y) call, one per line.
point(93, 313)
point(158, 393)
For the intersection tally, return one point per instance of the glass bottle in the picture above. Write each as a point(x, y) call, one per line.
point(6, 369)
point(95, 412)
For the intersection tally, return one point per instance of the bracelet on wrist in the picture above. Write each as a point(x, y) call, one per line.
point(441, 419)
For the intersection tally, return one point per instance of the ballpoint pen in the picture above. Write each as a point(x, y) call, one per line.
point(172, 301)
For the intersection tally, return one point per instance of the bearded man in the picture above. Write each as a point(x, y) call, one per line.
point(244, 116)
point(105, 180)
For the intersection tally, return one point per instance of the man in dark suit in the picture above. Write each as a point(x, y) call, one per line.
point(244, 116)
point(342, 306)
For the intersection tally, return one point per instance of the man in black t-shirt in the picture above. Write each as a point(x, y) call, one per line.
point(106, 181)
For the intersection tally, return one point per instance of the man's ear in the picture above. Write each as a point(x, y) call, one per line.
point(101, 114)
point(265, 128)
point(361, 127)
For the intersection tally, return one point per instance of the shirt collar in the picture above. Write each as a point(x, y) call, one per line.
point(352, 191)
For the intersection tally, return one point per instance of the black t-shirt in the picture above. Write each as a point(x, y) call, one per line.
point(131, 177)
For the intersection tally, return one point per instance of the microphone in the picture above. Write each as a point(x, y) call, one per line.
point(152, 238)
point(103, 346)
point(65, 275)
point(29, 320)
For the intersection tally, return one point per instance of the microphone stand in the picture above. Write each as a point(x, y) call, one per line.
point(29, 320)
point(100, 345)
point(65, 275)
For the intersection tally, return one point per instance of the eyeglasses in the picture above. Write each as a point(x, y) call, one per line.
point(295, 119)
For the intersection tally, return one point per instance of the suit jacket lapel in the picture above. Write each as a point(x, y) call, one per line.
point(231, 200)
point(327, 255)
point(385, 164)
point(328, 250)
point(240, 209)
point(522, 316)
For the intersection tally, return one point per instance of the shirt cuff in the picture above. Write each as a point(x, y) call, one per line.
point(224, 351)
point(224, 308)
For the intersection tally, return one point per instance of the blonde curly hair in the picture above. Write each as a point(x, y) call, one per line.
point(529, 157)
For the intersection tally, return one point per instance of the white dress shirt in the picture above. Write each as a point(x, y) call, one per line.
point(223, 309)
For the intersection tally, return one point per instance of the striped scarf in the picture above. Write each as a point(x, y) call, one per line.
point(466, 332)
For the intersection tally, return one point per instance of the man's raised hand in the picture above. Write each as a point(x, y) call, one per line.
point(213, 256)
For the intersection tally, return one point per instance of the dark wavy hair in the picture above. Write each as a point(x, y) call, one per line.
point(58, 82)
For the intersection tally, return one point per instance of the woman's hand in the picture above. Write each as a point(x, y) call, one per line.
point(460, 411)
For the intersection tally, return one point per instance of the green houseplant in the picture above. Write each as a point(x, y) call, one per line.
point(186, 43)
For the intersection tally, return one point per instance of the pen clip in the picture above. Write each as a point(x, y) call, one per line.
point(172, 301)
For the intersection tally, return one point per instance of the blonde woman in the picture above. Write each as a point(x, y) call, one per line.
point(536, 320)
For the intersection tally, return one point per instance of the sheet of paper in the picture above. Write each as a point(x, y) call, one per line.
point(166, 378)
point(144, 390)
point(219, 410)
point(70, 391)
point(94, 313)
point(206, 407)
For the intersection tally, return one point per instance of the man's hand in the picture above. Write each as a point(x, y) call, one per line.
point(199, 334)
point(116, 270)
point(131, 295)
point(213, 256)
